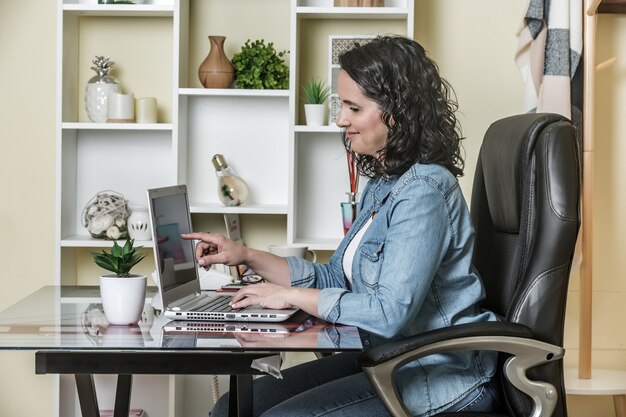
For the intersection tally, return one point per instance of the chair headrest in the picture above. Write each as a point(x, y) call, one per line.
point(509, 144)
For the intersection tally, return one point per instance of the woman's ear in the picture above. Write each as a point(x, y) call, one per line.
point(387, 119)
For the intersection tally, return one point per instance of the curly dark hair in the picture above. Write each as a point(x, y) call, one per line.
point(418, 106)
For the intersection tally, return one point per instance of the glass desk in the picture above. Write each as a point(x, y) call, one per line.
point(67, 329)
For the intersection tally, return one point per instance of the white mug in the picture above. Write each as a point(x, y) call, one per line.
point(300, 251)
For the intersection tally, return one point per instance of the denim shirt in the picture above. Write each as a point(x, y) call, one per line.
point(412, 272)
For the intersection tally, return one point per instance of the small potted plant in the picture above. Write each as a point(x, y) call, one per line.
point(315, 94)
point(259, 66)
point(123, 294)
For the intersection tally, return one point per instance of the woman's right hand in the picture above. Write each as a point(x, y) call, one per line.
point(214, 248)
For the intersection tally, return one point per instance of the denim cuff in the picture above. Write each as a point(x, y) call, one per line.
point(303, 275)
point(302, 272)
point(328, 303)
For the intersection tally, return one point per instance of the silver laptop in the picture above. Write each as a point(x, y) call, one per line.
point(177, 271)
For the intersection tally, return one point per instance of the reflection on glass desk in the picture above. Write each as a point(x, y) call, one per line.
point(72, 318)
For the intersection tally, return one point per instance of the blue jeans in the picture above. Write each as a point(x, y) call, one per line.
point(331, 386)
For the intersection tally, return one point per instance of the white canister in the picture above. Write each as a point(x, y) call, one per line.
point(139, 223)
point(121, 108)
point(146, 110)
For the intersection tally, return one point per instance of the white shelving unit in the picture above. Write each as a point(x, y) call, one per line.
point(318, 167)
point(292, 170)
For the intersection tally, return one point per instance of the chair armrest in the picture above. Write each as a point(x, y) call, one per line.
point(391, 350)
point(380, 363)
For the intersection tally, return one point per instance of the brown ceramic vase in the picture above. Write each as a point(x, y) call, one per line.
point(216, 71)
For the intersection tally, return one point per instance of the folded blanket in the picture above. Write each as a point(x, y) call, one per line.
point(549, 54)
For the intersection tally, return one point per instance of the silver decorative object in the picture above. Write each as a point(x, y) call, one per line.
point(98, 89)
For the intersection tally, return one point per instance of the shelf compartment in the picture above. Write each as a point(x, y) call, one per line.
point(121, 38)
point(321, 184)
point(252, 134)
point(98, 160)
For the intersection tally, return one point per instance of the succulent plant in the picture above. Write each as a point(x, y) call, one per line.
point(120, 260)
point(315, 91)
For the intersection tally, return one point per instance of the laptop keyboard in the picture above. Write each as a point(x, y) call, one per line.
point(218, 304)
point(216, 307)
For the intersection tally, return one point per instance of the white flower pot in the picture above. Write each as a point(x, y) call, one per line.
point(123, 298)
point(314, 114)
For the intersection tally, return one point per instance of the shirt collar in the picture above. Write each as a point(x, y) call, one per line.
point(382, 188)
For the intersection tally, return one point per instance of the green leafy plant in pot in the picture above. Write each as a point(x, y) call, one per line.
point(315, 93)
point(259, 66)
point(123, 294)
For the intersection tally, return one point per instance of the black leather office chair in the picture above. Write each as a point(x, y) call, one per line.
point(525, 207)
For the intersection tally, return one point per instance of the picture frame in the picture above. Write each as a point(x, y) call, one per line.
point(337, 45)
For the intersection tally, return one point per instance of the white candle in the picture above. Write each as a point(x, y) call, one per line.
point(121, 108)
point(146, 110)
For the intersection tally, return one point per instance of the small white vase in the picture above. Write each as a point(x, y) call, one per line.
point(139, 223)
point(314, 114)
point(123, 299)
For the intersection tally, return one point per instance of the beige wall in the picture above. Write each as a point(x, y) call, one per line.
point(27, 82)
point(474, 43)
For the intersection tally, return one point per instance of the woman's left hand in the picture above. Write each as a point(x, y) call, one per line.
point(264, 294)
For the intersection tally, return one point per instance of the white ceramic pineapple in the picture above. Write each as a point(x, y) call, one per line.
point(98, 89)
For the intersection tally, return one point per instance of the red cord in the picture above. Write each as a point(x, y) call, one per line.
point(353, 173)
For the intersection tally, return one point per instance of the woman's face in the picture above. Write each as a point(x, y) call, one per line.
point(360, 117)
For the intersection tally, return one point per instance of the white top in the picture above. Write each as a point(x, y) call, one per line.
point(348, 255)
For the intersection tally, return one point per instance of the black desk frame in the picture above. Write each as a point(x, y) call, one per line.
point(83, 364)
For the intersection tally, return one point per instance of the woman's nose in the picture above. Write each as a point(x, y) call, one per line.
point(341, 120)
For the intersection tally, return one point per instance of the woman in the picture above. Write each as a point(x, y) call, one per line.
point(405, 265)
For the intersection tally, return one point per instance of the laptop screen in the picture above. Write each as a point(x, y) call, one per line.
point(174, 256)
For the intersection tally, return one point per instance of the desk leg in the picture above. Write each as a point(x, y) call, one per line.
point(620, 405)
point(240, 396)
point(87, 395)
point(122, 395)
point(89, 400)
